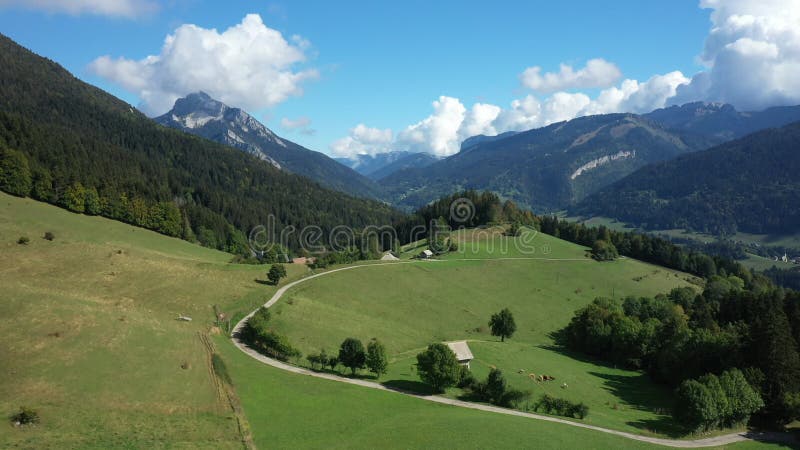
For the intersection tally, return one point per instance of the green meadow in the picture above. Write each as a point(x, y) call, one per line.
point(408, 306)
point(89, 338)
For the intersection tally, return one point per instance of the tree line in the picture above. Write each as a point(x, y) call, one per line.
point(751, 328)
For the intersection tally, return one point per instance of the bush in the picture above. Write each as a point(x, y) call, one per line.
point(49, 236)
point(604, 251)
point(23, 240)
point(494, 390)
point(256, 333)
point(561, 407)
point(25, 416)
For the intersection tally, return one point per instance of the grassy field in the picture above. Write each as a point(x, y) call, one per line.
point(752, 261)
point(88, 337)
point(407, 306)
point(88, 334)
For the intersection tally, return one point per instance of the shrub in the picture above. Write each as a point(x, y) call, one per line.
point(25, 416)
point(23, 240)
point(256, 333)
point(561, 407)
point(49, 236)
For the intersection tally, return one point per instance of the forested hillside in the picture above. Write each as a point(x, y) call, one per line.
point(69, 143)
point(750, 184)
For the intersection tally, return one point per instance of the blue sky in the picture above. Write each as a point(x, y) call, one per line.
point(382, 64)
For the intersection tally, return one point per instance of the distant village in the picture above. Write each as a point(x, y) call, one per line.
point(785, 258)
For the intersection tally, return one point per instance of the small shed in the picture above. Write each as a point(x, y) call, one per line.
point(462, 351)
point(426, 254)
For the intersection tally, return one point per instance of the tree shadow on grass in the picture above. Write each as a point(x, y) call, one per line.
point(409, 386)
point(638, 392)
point(264, 282)
point(635, 391)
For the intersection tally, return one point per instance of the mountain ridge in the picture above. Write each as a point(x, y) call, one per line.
point(201, 115)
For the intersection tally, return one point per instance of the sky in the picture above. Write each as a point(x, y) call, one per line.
point(364, 77)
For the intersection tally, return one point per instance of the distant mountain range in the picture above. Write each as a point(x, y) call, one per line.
point(201, 115)
point(547, 168)
point(554, 167)
point(384, 164)
point(721, 121)
point(751, 184)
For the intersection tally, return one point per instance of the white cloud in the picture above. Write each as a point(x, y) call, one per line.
point(598, 73)
point(363, 140)
point(249, 65)
point(111, 8)
point(752, 53)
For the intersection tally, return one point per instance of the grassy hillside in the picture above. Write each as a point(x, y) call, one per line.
point(408, 306)
point(88, 337)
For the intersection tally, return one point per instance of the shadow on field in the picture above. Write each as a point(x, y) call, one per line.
point(264, 282)
point(637, 391)
point(413, 387)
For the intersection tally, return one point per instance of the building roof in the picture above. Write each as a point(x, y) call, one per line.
point(461, 349)
point(427, 252)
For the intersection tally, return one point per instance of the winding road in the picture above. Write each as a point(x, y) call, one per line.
point(697, 443)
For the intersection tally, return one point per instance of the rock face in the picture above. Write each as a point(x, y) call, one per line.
point(201, 115)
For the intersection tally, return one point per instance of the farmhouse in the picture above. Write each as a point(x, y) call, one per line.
point(462, 351)
point(426, 254)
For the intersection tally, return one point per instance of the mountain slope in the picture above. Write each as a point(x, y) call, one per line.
point(722, 121)
point(750, 184)
point(91, 152)
point(482, 139)
point(382, 164)
point(203, 116)
point(410, 161)
point(547, 168)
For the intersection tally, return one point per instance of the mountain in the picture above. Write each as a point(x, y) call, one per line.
point(203, 116)
point(69, 143)
point(547, 168)
point(722, 121)
point(482, 139)
point(411, 161)
point(382, 164)
point(750, 184)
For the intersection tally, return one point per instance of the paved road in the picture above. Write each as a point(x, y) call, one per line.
point(697, 443)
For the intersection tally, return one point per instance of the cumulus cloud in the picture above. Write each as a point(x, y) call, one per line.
point(598, 73)
point(752, 53)
point(442, 132)
point(363, 140)
point(111, 8)
point(249, 65)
